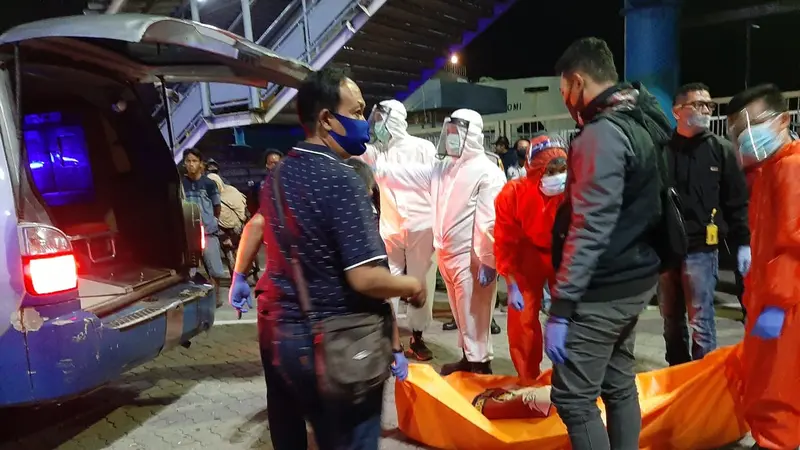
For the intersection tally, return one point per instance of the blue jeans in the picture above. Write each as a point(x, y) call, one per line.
point(292, 396)
point(689, 289)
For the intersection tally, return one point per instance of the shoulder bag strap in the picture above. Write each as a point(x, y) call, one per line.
point(289, 244)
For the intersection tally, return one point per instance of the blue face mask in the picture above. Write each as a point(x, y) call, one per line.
point(354, 142)
point(758, 143)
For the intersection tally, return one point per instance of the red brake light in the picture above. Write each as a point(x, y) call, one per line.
point(202, 237)
point(49, 265)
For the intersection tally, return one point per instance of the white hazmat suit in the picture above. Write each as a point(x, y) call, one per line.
point(406, 211)
point(463, 185)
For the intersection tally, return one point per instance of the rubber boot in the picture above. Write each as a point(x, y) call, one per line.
point(460, 366)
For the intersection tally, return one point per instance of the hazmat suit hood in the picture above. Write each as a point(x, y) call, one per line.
point(473, 140)
point(396, 122)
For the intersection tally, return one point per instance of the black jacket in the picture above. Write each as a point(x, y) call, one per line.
point(605, 227)
point(705, 172)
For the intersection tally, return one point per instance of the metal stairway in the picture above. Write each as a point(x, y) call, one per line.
point(390, 46)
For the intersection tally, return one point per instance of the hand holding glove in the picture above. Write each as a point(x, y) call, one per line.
point(769, 323)
point(486, 275)
point(515, 297)
point(555, 339)
point(400, 366)
point(744, 259)
point(239, 295)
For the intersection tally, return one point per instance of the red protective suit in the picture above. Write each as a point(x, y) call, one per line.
point(771, 368)
point(524, 219)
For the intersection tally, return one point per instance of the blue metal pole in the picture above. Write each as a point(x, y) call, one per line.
point(651, 47)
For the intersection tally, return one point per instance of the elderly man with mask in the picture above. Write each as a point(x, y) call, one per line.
point(463, 183)
point(713, 192)
point(405, 212)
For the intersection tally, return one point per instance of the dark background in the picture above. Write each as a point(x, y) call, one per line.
point(529, 38)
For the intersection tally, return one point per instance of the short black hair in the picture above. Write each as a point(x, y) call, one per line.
point(268, 152)
point(516, 143)
point(502, 140)
point(362, 170)
point(769, 93)
point(591, 56)
point(195, 152)
point(684, 90)
point(320, 90)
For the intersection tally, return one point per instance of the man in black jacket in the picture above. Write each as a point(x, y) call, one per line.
point(610, 267)
point(704, 170)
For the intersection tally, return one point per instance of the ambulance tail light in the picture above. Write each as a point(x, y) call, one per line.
point(48, 261)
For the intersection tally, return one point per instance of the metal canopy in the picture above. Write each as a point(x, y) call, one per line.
point(406, 38)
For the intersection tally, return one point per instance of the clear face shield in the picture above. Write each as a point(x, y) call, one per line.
point(378, 131)
point(755, 138)
point(453, 138)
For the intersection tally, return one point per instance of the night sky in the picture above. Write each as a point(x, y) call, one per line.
point(527, 41)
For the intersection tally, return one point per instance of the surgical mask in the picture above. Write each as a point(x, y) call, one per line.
point(453, 143)
point(576, 109)
point(354, 142)
point(698, 120)
point(382, 133)
point(553, 184)
point(758, 143)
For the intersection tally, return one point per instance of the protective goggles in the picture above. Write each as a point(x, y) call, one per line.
point(753, 137)
point(540, 146)
point(453, 138)
point(378, 132)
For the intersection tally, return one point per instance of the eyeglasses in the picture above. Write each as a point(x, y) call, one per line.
point(699, 105)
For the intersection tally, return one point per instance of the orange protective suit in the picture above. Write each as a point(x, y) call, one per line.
point(524, 219)
point(771, 368)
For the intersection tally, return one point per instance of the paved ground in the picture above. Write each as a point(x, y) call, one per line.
point(212, 395)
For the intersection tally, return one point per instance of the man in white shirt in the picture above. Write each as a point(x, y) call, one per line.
point(518, 169)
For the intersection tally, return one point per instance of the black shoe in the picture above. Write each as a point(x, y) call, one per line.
point(417, 348)
point(484, 368)
point(460, 366)
point(495, 327)
point(450, 326)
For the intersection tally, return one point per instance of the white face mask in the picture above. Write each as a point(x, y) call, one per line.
point(453, 144)
point(553, 184)
point(698, 120)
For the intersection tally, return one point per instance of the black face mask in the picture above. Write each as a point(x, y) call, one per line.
point(522, 154)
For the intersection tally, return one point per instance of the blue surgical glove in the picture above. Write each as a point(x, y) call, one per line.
point(769, 323)
point(486, 275)
point(555, 339)
point(239, 295)
point(515, 297)
point(743, 259)
point(400, 366)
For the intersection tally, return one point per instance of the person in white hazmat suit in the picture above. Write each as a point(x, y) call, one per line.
point(405, 213)
point(463, 183)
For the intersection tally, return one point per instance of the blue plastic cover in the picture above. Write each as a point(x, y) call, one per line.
point(59, 158)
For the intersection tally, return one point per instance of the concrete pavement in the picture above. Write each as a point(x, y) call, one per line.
point(212, 395)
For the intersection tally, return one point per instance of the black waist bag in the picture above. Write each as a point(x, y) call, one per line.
point(352, 353)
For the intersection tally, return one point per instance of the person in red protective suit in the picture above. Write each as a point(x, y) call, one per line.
point(525, 211)
point(759, 124)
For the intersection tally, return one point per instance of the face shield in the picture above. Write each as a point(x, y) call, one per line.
point(756, 138)
point(378, 131)
point(453, 138)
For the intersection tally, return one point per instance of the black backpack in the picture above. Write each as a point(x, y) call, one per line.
point(669, 238)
